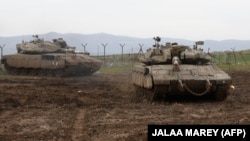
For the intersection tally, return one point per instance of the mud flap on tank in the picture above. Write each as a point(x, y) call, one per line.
point(144, 81)
point(148, 82)
point(143, 86)
point(137, 79)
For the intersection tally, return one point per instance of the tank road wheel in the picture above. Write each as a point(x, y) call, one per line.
point(14, 71)
point(42, 72)
point(11, 70)
point(50, 72)
point(58, 72)
point(34, 72)
point(7, 68)
point(221, 93)
point(23, 71)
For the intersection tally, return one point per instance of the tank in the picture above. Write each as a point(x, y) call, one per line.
point(49, 58)
point(173, 69)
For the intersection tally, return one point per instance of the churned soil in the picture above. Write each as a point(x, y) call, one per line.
point(104, 107)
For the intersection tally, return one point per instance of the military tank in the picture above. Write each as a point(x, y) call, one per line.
point(49, 58)
point(172, 69)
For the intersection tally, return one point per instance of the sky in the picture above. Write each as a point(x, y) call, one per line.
point(185, 19)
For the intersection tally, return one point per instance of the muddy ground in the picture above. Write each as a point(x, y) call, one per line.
point(103, 107)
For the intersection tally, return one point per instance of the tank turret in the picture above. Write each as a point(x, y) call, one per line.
point(163, 54)
point(179, 69)
point(39, 46)
point(49, 58)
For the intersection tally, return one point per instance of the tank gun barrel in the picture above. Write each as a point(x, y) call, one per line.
point(175, 62)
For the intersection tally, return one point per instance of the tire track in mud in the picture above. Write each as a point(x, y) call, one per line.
point(3, 116)
point(80, 124)
point(102, 107)
point(79, 127)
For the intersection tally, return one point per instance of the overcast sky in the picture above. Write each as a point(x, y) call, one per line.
point(186, 19)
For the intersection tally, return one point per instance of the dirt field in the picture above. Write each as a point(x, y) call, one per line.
point(103, 107)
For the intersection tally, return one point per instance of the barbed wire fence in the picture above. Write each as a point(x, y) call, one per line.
point(218, 58)
point(231, 57)
point(115, 60)
point(120, 59)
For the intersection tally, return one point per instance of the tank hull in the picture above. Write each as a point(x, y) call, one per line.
point(197, 80)
point(179, 69)
point(50, 64)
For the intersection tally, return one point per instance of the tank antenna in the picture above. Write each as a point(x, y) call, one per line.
point(157, 40)
point(35, 36)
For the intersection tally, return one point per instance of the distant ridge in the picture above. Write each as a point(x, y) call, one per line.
point(94, 42)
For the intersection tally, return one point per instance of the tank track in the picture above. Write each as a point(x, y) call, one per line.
point(143, 93)
point(156, 93)
point(143, 88)
point(35, 72)
point(221, 93)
